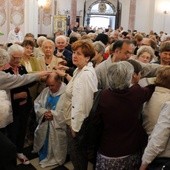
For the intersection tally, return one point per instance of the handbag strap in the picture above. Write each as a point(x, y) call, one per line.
point(97, 96)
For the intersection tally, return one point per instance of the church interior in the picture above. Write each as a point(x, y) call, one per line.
point(48, 17)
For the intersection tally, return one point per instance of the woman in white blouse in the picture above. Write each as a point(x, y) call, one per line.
point(77, 100)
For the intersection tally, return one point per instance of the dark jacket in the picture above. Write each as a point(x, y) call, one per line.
point(120, 111)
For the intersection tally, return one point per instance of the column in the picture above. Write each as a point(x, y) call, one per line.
point(73, 13)
point(132, 14)
point(31, 17)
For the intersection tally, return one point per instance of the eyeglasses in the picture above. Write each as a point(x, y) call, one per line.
point(15, 58)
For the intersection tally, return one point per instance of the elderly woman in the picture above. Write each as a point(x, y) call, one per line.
point(99, 52)
point(38, 51)
point(119, 109)
point(49, 61)
point(21, 102)
point(145, 54)
point(157, 147)
point(77, 100)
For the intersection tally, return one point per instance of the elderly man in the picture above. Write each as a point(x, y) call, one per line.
point(50, 136)
point(15, 36)
point(62, 52)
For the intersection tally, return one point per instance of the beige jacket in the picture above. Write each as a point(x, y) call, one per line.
point(153, 108)
point(159, 141)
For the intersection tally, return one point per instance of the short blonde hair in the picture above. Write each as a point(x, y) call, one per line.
point(147, 49)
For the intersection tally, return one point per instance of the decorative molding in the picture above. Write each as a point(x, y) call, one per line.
point(102, 7)
point(44, 13)
point(17, 17)
point(47, 19)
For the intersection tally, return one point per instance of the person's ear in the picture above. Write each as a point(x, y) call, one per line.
point(87, 59)
point(117, 50)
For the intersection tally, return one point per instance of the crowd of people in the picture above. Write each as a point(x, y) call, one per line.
point(51, 83)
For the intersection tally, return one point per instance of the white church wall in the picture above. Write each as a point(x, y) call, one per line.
point(162, 16)
point(144, 15)
point(125, 13)
point(31, 18)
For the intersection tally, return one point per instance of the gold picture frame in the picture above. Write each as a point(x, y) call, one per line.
point(59, 23)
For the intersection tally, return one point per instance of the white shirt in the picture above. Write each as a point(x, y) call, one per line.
point(159, 143)
point(15, 37)
point(84, 85)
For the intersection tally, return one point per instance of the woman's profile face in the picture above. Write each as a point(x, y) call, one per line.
point(79, 59)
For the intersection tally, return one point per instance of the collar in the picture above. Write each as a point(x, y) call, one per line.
point(15, 70)
point(60, 91)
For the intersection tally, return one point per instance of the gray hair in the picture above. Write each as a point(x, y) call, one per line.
point(4, 57)
point(120, 75)
point(40, 40)
point(147, 49)
point(15, 48)
point(48, 41)
point(99, 47)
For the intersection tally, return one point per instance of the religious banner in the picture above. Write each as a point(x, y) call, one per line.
point(59, 23)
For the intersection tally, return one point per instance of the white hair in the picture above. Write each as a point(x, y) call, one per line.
point(120, 75)
point(15, 48)
point(63, 37)
point(99, 47)
point(40, 40)
point(48, 41)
